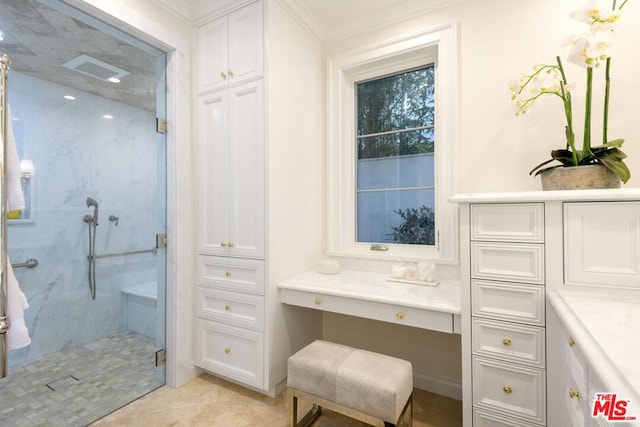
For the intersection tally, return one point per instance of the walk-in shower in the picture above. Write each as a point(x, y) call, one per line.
point(89, 151)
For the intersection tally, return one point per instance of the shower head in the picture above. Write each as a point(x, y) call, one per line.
point(92, 202)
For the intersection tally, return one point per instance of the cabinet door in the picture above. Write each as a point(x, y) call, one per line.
point(212, 55)
point(602, 243)
point(245, 44)
point(213, 173)
point(246, 162)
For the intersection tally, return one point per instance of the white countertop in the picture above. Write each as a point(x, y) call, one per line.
point(610, 325)
point(370, 286)
point(618, 194)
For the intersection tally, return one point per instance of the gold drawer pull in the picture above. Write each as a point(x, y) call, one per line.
point(318, 301)
point(573, 393)
point(571, 342)
point(227, 273)
point(400, 315)
point(506, 342)
point(230, 73)
point(227, 307)
point(227, 350)
point(507, 389)
point(223, 75)
point(230, 244)
point(223, 244)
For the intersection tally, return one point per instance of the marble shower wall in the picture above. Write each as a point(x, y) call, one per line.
point(77, 153)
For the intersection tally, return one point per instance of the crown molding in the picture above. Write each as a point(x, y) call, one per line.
point(196, 12)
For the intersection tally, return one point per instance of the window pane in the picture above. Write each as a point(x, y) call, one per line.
point(396, 144)
point(405, 217)
point(401, 101)
point(396, 172)
point(395, 159)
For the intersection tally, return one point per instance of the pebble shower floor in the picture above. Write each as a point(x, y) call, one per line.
point(77, 386)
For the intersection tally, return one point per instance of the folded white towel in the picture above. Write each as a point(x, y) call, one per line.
point(17, 335)
point(15, 196)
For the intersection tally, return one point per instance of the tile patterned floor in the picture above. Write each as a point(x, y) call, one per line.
point(212, 402)
point(77, 386)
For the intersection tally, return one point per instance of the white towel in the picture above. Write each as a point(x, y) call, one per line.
point(15, 196)
point(17, 335)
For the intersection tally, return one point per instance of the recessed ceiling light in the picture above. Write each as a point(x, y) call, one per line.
point(114, 79)
point(69, 97)
point(107, 116)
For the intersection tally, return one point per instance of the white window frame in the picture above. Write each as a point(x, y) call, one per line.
point(438, 46)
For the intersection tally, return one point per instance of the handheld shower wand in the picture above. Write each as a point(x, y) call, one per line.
point(93, 223)
point(92, 202)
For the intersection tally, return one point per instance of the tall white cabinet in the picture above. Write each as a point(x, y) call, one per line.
point(544, 273)
point(250, 173)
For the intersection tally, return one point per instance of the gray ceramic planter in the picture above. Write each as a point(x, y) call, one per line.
point(579, 177)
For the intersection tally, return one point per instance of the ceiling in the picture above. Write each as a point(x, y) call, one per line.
point(39, 39)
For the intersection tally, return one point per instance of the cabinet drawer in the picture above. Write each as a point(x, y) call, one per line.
point(510, 389)
point(508, 341)
point(520, 222)
point(231, 273)
point(508, 301)
point(231, 307)
point(487, 419)
point(508, 261)
point(233, 352)
point(409, 316)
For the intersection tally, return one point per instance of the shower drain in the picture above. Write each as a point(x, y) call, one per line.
point(62, 383)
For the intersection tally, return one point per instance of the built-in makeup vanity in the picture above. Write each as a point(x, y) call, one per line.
point(550, 307)
point(371, 295)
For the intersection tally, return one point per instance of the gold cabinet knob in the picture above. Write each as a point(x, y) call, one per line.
point(318, 301)
point(506, 342)
point(230, 73)
point(227, 350)
point(227, 307)
point(223, 75)
point(507, 389)
point(400, 315)
point(573, 393)
point(227, 273)
point(571, 342)
point(230, 244)
point(223, 244)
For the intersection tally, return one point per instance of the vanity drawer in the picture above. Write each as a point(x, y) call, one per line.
point(409, 316)
point(512, 262)
point(518, 222)
point(234, 274)
point(487, 419)
point(508, 301)
point(233, 352)
point(510, 389)
point(508, 341)
point(231, 307)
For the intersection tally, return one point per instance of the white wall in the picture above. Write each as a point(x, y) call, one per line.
point(296, 179)
point(500, 39)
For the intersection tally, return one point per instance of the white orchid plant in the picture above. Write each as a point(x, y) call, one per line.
point(591, 49)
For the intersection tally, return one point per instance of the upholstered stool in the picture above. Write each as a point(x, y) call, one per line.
point(370, 387)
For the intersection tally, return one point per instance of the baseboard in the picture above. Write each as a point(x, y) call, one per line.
point(441, 386)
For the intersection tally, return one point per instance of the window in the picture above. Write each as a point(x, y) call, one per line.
point(394, 160)
point(391, 144)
